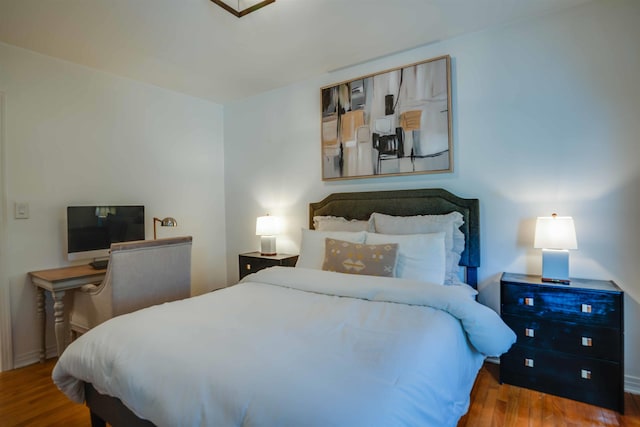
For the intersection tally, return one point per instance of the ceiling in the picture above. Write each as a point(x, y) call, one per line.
point(197, 48)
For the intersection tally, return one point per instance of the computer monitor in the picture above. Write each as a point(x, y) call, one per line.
point(90, 230)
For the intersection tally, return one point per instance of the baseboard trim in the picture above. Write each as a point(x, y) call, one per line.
point(31, 357)
point(631, 384)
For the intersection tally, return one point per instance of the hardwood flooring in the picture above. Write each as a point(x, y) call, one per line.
point(29, 398)
point(503, 405)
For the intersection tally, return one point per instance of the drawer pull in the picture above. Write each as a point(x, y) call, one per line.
point(586, 308)
point(248, 266)
point(587, 342)
point(528, 301)
point(528, 363)
point(585, 374)
point(528, 332)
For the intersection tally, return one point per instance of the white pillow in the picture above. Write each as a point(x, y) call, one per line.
point(338, 223)
point(420, 256)
point(312, 245)
point(419, 224)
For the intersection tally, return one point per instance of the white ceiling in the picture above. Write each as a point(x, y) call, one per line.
point(196, 47)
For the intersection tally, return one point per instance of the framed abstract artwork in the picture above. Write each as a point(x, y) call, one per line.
point(395, 122)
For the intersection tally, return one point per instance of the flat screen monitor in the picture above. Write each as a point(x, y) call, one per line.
point(91, 230)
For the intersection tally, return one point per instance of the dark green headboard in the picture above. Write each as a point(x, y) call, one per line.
point(428, 201)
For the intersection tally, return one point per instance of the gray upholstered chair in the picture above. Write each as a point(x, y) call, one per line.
point(140, 274)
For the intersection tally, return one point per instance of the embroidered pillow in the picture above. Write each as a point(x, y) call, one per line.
point(312, 245)
point(420, 256)
point(359, 258)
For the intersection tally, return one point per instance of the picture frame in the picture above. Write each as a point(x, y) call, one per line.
point(394, 122)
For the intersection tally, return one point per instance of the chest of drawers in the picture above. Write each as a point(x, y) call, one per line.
point(570, 338)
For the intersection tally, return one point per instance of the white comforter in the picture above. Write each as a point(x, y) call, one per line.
point(293, 347)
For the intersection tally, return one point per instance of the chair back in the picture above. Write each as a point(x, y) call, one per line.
point(149, 272)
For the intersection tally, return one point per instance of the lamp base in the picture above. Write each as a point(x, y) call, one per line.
point(555, 266)
point(268, 245)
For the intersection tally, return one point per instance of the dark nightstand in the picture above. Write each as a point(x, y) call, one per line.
point(570, 338)
point(251, 262)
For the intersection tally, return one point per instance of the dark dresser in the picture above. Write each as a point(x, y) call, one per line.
point(251, 262)
point(570, 338)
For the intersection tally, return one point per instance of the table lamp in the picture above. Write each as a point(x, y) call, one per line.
point(166, 222)
point(267, 227)
point(555, 235)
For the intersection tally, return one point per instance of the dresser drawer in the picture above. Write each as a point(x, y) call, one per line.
point(252, 262)
point(578, 339)
point(570, 304)
point(251, 265)
point(590, 380)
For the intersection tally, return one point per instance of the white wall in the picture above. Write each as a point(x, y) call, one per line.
point(76, 135)
point(546, 119)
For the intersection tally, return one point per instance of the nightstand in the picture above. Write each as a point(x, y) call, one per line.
point(251, 262)
point(570, 338)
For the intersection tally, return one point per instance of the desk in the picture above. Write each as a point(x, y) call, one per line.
point(57, 281)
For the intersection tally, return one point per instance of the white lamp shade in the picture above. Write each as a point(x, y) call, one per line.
point(268, 226)
point(555, 232)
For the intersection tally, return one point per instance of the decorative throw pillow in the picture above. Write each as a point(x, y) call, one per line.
point(419, 224)
point(338, 223)
point(312, 245)
point(359, 258)
point(420, 256)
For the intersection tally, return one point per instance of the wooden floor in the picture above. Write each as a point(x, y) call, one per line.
point(495, 404)
point(29, 398)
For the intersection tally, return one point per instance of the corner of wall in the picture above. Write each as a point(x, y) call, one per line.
point(6, 350)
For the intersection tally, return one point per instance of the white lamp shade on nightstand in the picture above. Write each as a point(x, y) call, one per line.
point(555, 235)
point(267, 227)
point(555, 232)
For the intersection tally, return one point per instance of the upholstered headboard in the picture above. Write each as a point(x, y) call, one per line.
point(428, 201)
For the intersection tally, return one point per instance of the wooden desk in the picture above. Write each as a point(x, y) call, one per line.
point(57, 281)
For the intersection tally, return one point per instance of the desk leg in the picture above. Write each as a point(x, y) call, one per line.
point(58, 313)
point(42, 321)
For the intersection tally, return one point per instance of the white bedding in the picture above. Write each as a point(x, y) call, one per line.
point(293, 347)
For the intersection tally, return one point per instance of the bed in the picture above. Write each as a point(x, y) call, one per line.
point(305, 345)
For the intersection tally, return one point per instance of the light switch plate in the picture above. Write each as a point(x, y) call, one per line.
point(21, 210)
